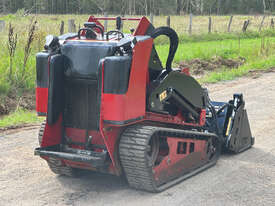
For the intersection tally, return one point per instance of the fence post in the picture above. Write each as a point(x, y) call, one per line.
point(272, 23)
point(71, 26)
point(210, 25)
point(152, 18)
point(2, 25)
point(62, 28)
point(190, 24)
point(262, 23)
point(122, 23)
point(168, 21)
point(245, 25)
point(229, 24)
point(106, 23)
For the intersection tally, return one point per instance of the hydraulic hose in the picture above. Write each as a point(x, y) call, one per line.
point(174, 42)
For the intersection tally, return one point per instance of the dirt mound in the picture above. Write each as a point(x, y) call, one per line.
point(7, 104)
point(199, 66)
point(27, 101)
point(3, 109)
point(11, 102)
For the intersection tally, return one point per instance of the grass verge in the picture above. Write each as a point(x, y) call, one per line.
point(230, 74)
point(20, 117)
point(207, 37)
point(258, 54)
point(246, 48)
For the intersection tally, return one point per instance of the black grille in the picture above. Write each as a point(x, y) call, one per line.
point(82, 105)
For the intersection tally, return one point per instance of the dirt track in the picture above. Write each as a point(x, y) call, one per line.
point(245, 179)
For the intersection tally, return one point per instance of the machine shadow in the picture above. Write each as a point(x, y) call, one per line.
point(93, 181)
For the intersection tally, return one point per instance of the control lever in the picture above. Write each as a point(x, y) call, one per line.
point(94, 26)
point(127, 44)
point(52, 43)
point(118, 23)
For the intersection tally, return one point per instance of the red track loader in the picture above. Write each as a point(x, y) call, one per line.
point(112, 107)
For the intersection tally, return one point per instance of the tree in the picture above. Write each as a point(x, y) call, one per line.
point(179, 6)
point(139, 7)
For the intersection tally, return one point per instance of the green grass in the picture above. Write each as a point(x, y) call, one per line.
point(230, 74)
point(259, 55)
point(28, 83)
point(247, 48)
point(206, 37)
point(19, 117)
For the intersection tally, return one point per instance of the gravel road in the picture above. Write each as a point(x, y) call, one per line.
point(244, 179)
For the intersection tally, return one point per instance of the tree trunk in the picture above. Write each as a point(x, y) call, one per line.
point(52, 7)
point(4, 8)
point(178, 10)
point(130, 7)
point(201, 6)
point(264, 6)
point(134, 7)
point(153, 7)
point(104, 7)
point(218, 7)
point(146, 7)
point(189, 6)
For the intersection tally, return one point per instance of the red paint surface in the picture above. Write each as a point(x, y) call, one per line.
point(52, 134)
point(178, 119)
point(114, 18)
point(142, 27)
point(41, 100)
point(79, 135)
point(132, 104)
point(186, 71)
point(203, 117)
point(110, 135)
point(173, 158)
point(111, 139)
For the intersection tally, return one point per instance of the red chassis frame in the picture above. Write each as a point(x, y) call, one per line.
point(118, 111)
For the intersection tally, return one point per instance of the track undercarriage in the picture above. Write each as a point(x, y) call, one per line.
point(155, 158)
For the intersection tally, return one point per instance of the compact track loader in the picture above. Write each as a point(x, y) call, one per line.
point(112, 107)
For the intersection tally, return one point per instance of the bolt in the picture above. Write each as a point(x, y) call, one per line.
point(168, 161)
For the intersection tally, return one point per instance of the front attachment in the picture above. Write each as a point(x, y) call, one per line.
point(236, 129)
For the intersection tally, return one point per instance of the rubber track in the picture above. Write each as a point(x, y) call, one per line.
point(41, 132)
point(133, 150)
point(54, 164)
point(56, 167)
